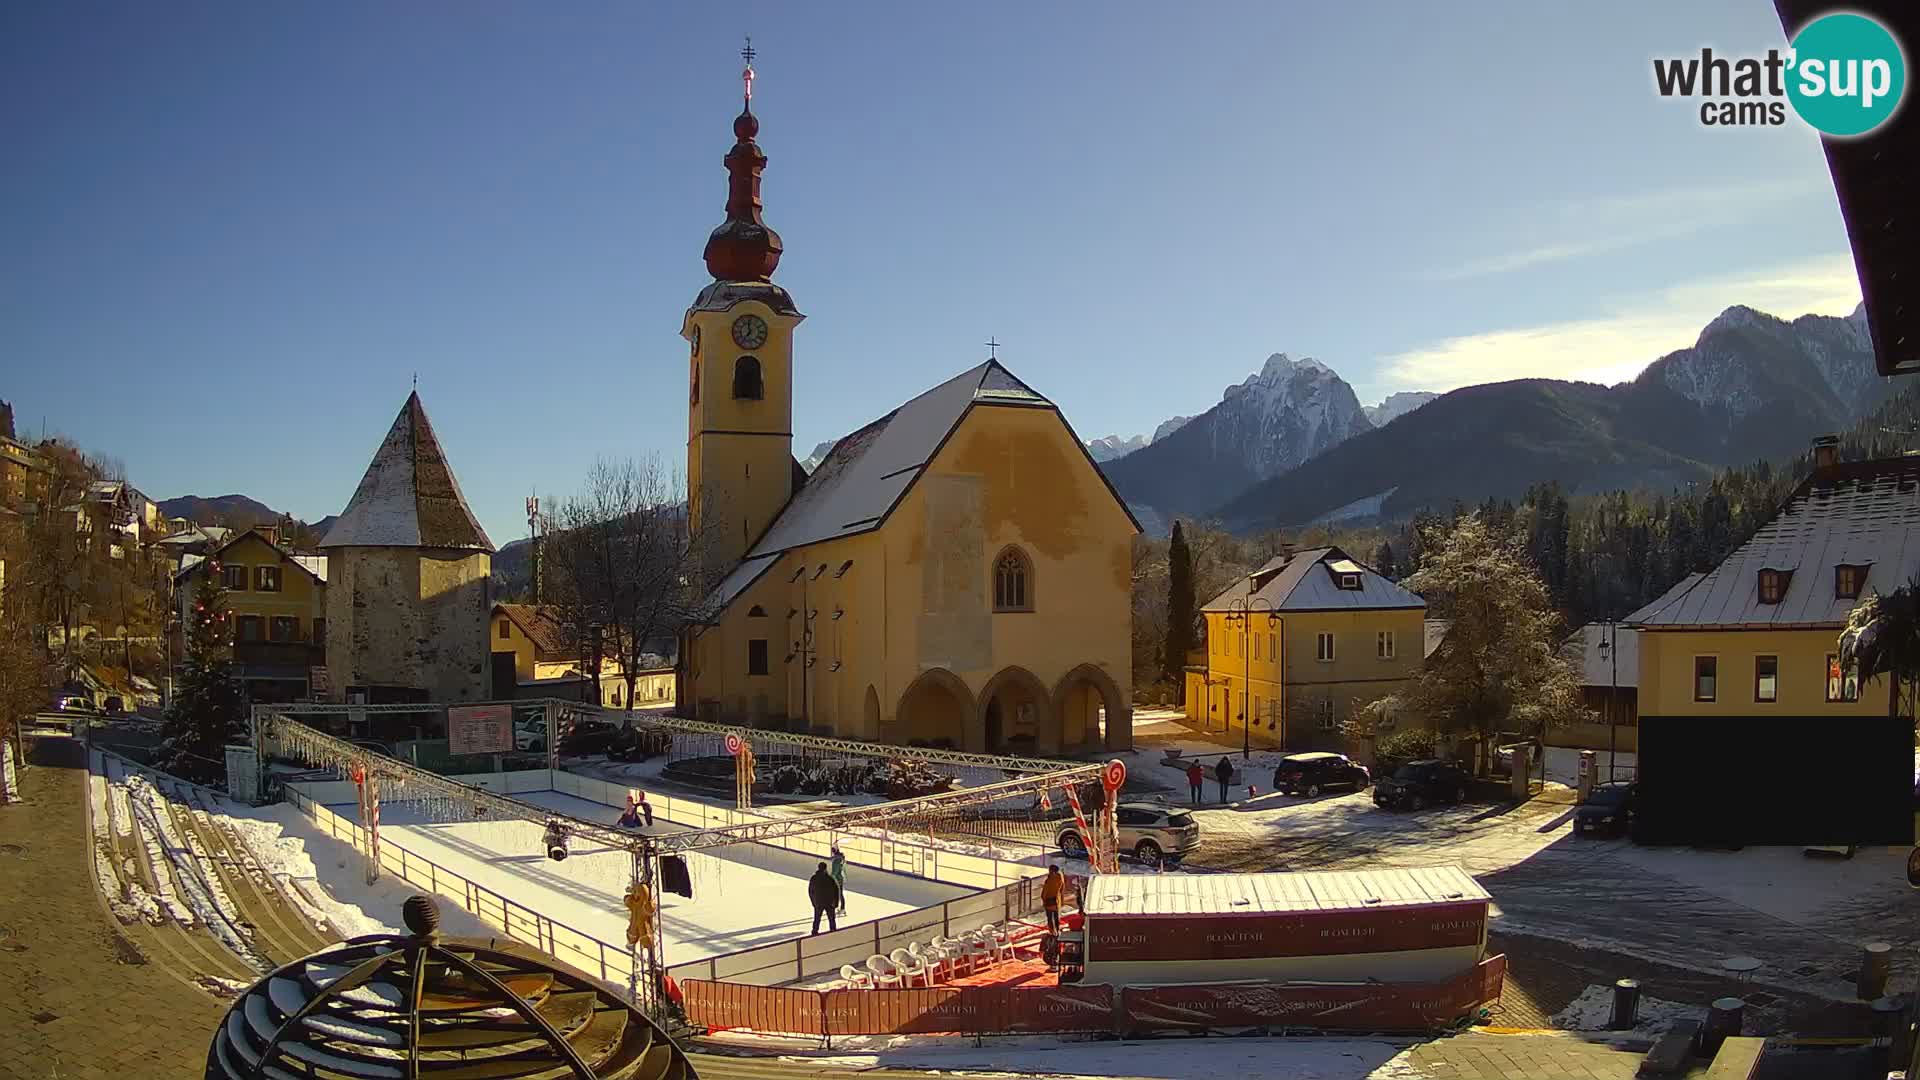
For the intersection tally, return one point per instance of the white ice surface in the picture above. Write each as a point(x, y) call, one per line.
point(744, 896)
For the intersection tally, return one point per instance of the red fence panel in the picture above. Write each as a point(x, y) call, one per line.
point(763, 1008)
point(1054, 1009)
point(970, 1009)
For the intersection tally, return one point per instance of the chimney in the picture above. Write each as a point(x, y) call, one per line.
point(1826, 451)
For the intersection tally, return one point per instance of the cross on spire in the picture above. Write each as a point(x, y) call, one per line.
point(746, 73)
point(993, 349)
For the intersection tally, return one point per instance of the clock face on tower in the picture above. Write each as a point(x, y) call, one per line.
point(749, 331)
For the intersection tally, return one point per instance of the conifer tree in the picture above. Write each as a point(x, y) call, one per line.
point(1180, 603)
point(208, 709)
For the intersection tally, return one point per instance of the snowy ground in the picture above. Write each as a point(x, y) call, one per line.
point(1593, 1009)
point(744, 896)
point(1171, 1059)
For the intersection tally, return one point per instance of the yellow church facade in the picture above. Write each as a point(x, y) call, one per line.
point(956, 573)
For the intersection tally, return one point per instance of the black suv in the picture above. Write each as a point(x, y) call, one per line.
point(1319, 771)
point(589, 737)
point(1608, 811)
point(1419, 784)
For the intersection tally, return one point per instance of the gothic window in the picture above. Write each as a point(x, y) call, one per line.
point(1012, 581)
point(746, 378)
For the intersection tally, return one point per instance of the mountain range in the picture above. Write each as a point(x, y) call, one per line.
point(232, 511)
point(1751, 387)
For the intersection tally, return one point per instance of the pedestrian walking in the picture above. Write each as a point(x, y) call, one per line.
point(1223, 772)
point(646, 808)
point(1196, 780)
point(1050, 892)
point(825, 896)
point(839, 872)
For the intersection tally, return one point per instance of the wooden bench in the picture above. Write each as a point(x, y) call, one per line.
point(1672, 1051)
point(1738, 1059)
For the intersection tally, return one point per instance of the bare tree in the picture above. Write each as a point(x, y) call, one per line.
point(25, 676)
point(625, 566)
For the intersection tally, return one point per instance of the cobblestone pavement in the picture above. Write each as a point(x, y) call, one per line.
point(80, 999)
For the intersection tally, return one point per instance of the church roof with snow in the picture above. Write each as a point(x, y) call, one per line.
point(408, 498)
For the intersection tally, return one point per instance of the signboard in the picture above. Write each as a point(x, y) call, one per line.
point(1315, 933)
point(319, 682)
point(480, 729)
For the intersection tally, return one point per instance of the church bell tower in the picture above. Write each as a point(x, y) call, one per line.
point(739, 333)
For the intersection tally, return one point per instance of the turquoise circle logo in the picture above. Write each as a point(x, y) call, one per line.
point(1848, 74)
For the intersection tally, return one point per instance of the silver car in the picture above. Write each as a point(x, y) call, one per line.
point(1149, 831)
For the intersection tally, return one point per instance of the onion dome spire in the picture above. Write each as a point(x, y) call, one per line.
point(743, 248)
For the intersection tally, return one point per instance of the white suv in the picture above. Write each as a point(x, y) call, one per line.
point(1149, 831)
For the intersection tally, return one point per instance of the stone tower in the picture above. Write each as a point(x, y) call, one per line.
point(408, 578)
point(740, 467)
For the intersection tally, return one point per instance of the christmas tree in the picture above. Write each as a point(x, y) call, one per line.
point(208, 709)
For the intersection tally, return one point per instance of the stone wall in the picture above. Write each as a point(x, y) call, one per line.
point(409, 617)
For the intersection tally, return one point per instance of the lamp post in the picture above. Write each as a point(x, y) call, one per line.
point(1610, 651)
point(1241, 611)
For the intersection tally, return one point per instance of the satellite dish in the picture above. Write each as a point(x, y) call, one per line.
point(1913, 868)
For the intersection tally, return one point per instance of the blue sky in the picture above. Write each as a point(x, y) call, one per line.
point(231, 233)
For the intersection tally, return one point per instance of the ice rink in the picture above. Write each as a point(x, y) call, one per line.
point(744, 895)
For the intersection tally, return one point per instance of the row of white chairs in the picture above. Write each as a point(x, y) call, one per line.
point(925, 965)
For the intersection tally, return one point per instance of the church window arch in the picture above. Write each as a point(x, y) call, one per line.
point(756, 612)
point(746, 379)
point(1012, 580)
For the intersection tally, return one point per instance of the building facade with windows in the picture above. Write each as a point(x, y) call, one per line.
point(535, 655)
point(1299, 645)
point(1758, 634)
point(277, 601)
point(956, 572)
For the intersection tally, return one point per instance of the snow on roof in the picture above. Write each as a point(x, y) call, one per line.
point(1679, 589)
point(738, 580)
point(1618, 665)
point(1271, 894)
point(1864, 513)
point(865, 473)
point(1288, 584)
point(314, 564)
point(408, 497)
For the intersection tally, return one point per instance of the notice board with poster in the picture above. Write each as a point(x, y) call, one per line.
point(480, 729)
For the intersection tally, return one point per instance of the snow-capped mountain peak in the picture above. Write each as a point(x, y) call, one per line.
point(1397, 406)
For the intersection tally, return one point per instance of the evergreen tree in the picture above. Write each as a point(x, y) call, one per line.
point(1180, 602)
point(208, 710)
point(1383, 561)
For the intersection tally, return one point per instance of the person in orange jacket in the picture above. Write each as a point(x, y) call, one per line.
point(1050, 891)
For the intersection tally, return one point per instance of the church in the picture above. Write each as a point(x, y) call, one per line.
point(956, 573)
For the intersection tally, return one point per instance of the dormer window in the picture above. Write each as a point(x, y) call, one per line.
point(1773, 585)
point(1346, 574)
point(1847, 580)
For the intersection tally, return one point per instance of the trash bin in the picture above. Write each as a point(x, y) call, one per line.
point(1626, 1005)
point(1724, 1018)
point(1874, 960)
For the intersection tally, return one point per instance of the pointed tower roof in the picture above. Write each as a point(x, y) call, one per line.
point(408, 498)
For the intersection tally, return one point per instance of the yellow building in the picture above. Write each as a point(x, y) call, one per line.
point(956, 572)
point(277, 603)
point(1299, 645)
point(534, 643)
point(1757, 635)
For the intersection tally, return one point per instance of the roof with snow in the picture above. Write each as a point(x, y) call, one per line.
point(1270, 894)
point(408, 497)
point(1862, 514)
point(1616, 665)
point(1309, 580)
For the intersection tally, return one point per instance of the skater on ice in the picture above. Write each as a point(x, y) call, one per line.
point(825, 896)
point(646, 809)
point(630, 819)
point(839, 872)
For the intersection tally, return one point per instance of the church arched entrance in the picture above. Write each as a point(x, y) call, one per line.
point(1093, 713)
point(1016, 716)
point(933, 712)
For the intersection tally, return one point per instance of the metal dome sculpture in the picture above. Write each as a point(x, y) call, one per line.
point(392, 1007)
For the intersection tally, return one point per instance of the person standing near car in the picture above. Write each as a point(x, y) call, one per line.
point(1196, 779)
point(1050, 891)
point(1223, 772)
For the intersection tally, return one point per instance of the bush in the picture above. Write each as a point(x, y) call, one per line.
point(1392, 751)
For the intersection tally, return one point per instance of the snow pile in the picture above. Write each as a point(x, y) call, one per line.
point(1594, 1008)
point(121, 811)
point(221, 988)
point(158, 865)
point(204, 894)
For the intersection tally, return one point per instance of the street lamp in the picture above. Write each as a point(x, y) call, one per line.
point(1242, 611)
point(1610, 652)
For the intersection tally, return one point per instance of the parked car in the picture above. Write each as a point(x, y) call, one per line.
point(1420, 784)
point(115, 706)
point(639, 744)
point(588, 737)
point(1608, 811)
point(75, 703)
point(1319, 771)
point(530, 738)
point(1148, 831)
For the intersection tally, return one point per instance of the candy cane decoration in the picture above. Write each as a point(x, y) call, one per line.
point(373, 833)
point(1088, 839)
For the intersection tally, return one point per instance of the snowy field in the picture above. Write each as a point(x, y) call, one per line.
point(744, 896)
